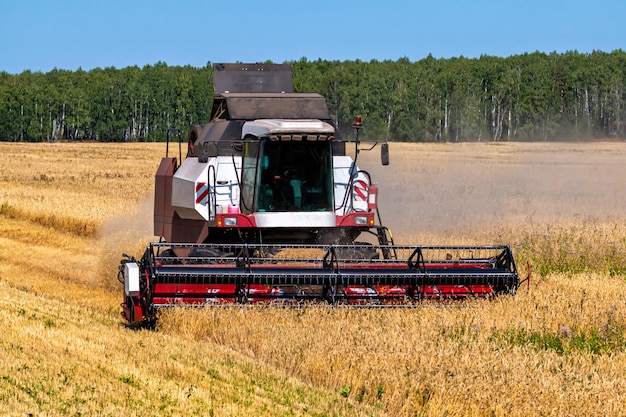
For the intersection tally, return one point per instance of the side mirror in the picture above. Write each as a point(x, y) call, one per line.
point(384, 154)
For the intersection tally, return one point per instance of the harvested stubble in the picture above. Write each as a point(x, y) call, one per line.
point(557, 348)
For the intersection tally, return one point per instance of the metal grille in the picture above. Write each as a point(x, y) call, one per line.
point(355, 274)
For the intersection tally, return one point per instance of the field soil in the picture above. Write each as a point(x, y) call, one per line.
point(68, 211)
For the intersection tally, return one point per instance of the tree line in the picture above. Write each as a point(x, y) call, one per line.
point(535, 96)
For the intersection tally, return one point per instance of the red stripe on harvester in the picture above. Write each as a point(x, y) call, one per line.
point(359, 189)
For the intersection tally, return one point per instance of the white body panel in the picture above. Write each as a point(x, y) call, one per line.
point(267, 127)
point(226, 184)
point(192, 193)
point(296, 219)
point(193, 197)
point(131, 279)
point(343, 169)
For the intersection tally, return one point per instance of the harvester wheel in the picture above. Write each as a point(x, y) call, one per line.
point(213, 253)
point(141, 325)
point(361, 250)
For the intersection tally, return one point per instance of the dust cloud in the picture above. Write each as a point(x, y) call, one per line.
point(129, 233)
point(137, 221)
point(453, 188)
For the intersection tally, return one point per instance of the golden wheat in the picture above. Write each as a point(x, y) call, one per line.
point(454, 360)
point(68, 211)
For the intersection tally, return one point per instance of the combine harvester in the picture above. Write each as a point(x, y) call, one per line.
point(267, 207)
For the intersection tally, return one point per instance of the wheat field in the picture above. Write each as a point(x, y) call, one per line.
point(68, 212)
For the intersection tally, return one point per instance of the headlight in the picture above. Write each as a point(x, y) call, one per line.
point(230, 221)
point(360, 220)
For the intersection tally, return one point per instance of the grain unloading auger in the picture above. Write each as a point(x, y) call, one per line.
point(267, 207)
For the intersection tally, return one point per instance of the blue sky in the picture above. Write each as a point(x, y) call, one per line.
point(40, 35)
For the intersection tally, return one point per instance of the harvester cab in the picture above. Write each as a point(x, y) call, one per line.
point(269, 207)
point(269, 167)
